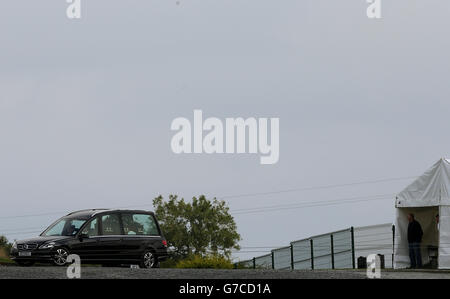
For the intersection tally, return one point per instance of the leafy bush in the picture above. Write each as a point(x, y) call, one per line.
point(5, 247)
point(3, 253)
point(205, 262)
point(244, 266)
point(169, 263)
point(3, 241)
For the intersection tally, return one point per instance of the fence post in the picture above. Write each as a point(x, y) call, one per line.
point(292, 256)
point(312, 254)
point(352, 230)
point(393, 244)
point(273, 260)
point(254, 263)
point(332, 251)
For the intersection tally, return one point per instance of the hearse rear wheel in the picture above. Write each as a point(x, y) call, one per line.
point(149, 260)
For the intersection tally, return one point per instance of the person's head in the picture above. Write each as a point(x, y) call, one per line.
point(437, 218)
point(410, 217)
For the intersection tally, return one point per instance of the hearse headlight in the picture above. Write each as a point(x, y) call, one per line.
point(47, 245)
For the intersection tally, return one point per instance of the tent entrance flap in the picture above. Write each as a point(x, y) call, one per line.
point(426, 216)
point(444, 237)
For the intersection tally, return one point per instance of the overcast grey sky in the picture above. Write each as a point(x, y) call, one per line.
point(86, 106)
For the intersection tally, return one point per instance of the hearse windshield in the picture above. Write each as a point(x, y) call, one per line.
point(64, 227)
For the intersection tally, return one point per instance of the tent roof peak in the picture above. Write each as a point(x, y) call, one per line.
point(429, 189)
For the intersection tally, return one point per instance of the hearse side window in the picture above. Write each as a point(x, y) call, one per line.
point(111, 225)
point(139, 224)
point(91, 229)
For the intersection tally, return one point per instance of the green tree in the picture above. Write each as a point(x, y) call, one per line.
point(198, 227)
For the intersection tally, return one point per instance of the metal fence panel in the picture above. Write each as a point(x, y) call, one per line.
point(264, 261)
point(343, 249)
point(302, 254)
point(367, 240)
point(322, 251)
point(282, 258)
point(343, 260)
point(375, 239)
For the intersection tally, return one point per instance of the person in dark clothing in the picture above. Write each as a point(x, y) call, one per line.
point(415, 234)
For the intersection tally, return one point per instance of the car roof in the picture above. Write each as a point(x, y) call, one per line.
point(88, 213)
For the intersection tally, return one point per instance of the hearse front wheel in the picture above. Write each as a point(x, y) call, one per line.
point(60, 257)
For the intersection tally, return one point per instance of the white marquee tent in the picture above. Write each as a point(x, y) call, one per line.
point(426, 197)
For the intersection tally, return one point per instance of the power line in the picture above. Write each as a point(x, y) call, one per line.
point(15, 229)
point(306, 206)
point(318, 187)
point(241, 195)
point(32, 215)
point(314, 202)
point(258, 209)
point(273, 208)
point(276, 207)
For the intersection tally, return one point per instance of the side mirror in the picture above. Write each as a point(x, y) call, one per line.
point(83, 236)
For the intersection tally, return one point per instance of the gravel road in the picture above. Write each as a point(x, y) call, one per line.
point(127, 273)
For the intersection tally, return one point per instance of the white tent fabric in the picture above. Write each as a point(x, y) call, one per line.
point(444, 237)
point(430, 189)
point(427, 196)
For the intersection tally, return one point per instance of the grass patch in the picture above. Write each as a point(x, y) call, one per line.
point(205, 262)
point(6, 261)
point(4, 258)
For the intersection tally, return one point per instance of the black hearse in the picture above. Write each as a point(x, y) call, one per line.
point(98, 236)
